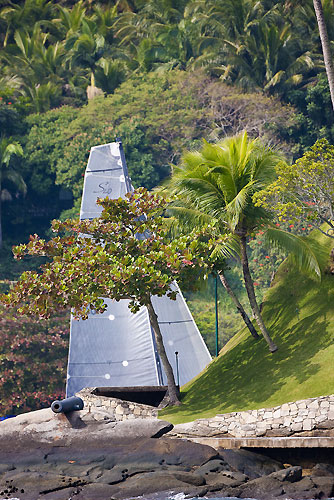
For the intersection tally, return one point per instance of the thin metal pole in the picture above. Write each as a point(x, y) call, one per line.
point(177, 368)
point(216, 307)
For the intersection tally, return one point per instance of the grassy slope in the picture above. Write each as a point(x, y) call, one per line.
point(300, 315)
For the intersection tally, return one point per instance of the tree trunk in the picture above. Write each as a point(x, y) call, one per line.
point(0, 220)
point(239, 307)
point(172, 389)
point(251, 295)
point(325, 46)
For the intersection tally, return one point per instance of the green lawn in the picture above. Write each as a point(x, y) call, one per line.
point(300, 315)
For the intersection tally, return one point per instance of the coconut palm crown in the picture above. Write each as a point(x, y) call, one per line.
point(220, 180)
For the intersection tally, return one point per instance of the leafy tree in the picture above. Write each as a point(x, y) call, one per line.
point(315, 119)
point(44, 200)
point(304, 190)
point(110, 261)
point(7, 150)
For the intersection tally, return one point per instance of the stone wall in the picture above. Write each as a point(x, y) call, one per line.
point(308, 417)
point(117, 409)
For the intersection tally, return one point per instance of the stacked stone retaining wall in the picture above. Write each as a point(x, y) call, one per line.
point(117, 409)
point(307, 417)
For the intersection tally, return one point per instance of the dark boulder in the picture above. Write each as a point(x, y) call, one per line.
point(215, 465)
point(303, 489)
point(324, 486)
point(291, 474)
point(252, 464)
point(266, 487)
point(322, 470)
point(32, 485)
point(150, 482)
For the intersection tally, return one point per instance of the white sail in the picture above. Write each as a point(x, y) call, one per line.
point(117, 348)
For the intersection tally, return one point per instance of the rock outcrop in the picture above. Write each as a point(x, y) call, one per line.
point(89, 456)
point(87, 424)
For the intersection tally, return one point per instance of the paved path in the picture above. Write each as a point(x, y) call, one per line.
point(266, 442)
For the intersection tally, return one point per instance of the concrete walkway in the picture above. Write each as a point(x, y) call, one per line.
point(266, 442)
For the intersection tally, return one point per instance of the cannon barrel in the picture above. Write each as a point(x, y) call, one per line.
point(68, 404)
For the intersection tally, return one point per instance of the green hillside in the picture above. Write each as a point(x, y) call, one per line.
point(300, 315)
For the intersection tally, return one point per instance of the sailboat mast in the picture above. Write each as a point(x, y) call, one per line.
point(125, 167)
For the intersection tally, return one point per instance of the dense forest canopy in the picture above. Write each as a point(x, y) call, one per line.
point(54, 54)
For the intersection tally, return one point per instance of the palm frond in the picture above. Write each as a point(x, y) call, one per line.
point(304, 253)
point(229, 248)
point(237, 206)
point(16, 178)
point(184, 219)
point(220, 180)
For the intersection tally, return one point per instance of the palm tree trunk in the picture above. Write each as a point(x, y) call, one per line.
point(0, 220)
point(325, 46)
point(239, 307)
point(172, 389)
point(251, 295)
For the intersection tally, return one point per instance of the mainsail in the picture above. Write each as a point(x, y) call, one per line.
point(117, 348)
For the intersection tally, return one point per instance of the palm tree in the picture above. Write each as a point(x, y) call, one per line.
point(109, 74)
point(7, 150)
point(85, 47)
point(183, 217)
point(217, 186)
point(16, 17)
point(269, 57)
point(325, 46)
point(219, 182)
point(161, 35)
point(104, 18)
point(39, 67)
point(69, 21)
point(254, 44)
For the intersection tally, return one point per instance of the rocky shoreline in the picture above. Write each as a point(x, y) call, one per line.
point(86, 455)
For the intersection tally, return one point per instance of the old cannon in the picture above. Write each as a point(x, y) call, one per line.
point(68, 404)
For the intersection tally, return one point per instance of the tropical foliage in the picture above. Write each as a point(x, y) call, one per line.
point(53, 48)
point(216, 185)
point(157, 116)
point(304, 190)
